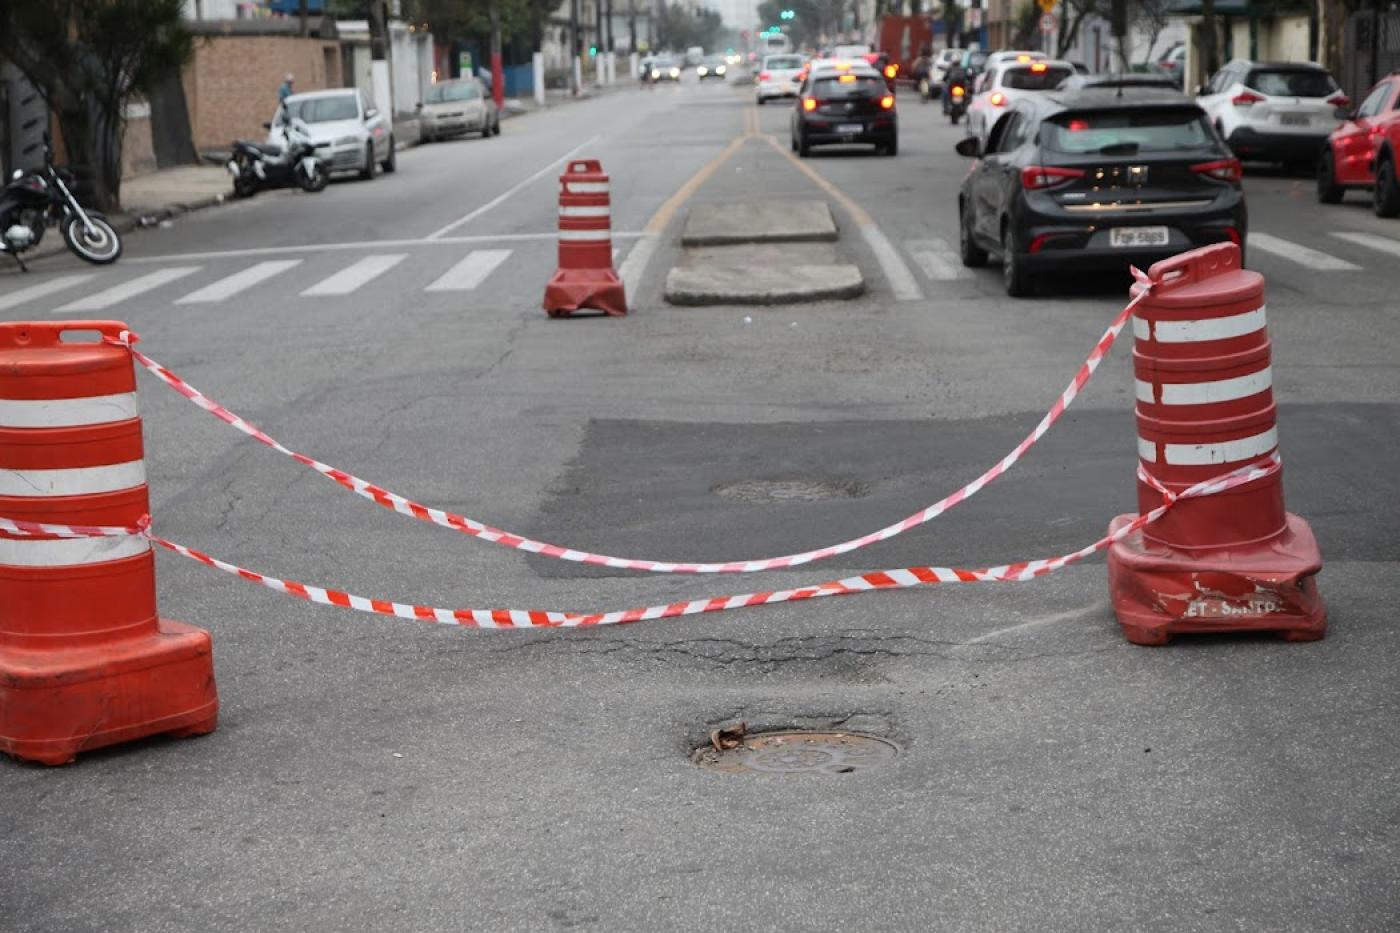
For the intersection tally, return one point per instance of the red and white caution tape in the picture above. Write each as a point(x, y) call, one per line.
point(867, 582)
point(406, 506)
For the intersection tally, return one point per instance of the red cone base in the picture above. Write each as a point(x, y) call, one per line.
point(1268, 586)
point(572, 289)
point(57, 702)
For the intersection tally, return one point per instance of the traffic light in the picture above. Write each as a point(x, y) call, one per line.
point(788, 14)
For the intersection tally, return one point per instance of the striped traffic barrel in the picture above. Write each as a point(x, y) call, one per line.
point(585, 277)
point(85, 659)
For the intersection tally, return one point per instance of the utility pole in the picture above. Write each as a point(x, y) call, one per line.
point(608, 18)
point(498, 75)
point(379, 58)
point(575, 48)
point(631, 26)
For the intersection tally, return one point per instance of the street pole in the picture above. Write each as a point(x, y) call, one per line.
point(498, 75)
point(379, 59)
point(575, 66)
point(632, 26)
point(1375, 41)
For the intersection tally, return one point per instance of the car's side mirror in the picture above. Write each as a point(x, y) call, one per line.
point(1202, 90)
point(969, 146)
point(371, 113)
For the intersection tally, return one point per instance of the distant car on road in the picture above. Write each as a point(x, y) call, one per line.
point(938, 73)
point(359, 137)
point(778, 77)
point(845, 103)
point(1114, 80)
point(1173, 64)
point(712, 66)
point(1363, 151)
point(1007, 82)
point(665, 69)
point(458, 106)
point(1094, 180)
point(1273, 112)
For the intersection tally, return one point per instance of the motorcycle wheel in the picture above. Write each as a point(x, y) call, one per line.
point(99, 247)
point(954, 116)
point(317, 182)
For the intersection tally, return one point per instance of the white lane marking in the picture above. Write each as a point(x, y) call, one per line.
point(1374, 241)
point(231, 285)
point(1302, 255)
point(937, 260)
point(1206, 393)
point(67, 412)
point(635, 266)
point(72, 481)
point(1236, 451)
point(366, 244)
point(471, 271)
point(137, 286)
point(41, 290)
point(1219, 328)
point(513, 189)
point(902, 281)
point(356, 274)
point(68, 552)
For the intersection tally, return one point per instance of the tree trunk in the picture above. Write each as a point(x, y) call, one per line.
point(1210, 44)
point(1118, 22)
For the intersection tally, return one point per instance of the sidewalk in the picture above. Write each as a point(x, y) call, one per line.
point(148, 199)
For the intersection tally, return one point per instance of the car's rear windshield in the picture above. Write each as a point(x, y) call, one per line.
point(1125, 132)
point(1029, 78)
point(463, 90)
point(1291, 82)
point(843, 87)
point(783, 62)
point(324, 109)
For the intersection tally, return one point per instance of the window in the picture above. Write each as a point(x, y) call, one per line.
point(1126, 132)
point(1291, 82)
point(848, 87)
point(783, 62)
point(454, 90)
point(1002, 133)
point(1374, 101)
point(324, 109)
point(1027, 78)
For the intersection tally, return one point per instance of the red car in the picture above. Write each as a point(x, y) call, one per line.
point(1362, 152)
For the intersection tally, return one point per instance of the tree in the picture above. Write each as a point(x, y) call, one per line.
point(88, 59)
point(1152, 20)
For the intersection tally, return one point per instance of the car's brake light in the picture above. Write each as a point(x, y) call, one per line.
point(809, 104)
point(891, 70)
point(1339, 100)
point(765, 76)
point(1039, 177)
point(1078, 126)
point(1246, 99)
point(887, 102)
point(1039, 67)
point(1221, 170)
point(997, 99)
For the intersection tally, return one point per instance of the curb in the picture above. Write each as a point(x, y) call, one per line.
point(129, 221)
point(691, 287)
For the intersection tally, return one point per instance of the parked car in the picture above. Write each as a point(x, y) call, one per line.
point(1096, 180)
point(1006, 83)
point(845, 103)
point(1362, 152)
point(1172, 64)
point(349, 131)
point(1273, 112)
point(456, 107)
point(778, 77)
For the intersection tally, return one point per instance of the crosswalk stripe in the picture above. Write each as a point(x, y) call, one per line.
point(471, 271)
point(1374, 241)
point(356, 274)
point(137, 286)
point(1302, 255)
point(35, 292)
point(935, 259)
point(231, 285)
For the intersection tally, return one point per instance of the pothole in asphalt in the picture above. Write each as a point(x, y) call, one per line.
point(789, 490)
point(794, 752)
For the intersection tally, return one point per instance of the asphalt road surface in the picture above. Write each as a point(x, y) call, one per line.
point(375, 774)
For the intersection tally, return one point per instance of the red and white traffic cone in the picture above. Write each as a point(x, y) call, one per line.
point(1232, 562)
point(585, 278)
point(85, 661)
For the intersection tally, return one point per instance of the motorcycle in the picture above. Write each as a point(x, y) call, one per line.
point(258, 167)
point(957, 104)
point(34, 200)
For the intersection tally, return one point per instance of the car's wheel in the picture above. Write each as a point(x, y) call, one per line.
point(1386, 195)
point(367, 172)
point(762, 101)
point(1328, 191)
point(792, 141)
point(496, 126)
point(954, 117)
point(391, 163)
point(1013, 273)
point(804, 148)
point(972, 255)
point(892, 147)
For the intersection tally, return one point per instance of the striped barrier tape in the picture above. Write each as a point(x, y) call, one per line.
point(405, 506)
point(866, 582)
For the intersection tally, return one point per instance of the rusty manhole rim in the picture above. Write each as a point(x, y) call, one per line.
point(790, 489)
point(799, 751)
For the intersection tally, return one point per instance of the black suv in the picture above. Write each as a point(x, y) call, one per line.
point(1097, 179)
point(844, 103)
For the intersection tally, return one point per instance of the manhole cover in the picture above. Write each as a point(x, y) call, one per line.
point(799, 753)
point(788, 490)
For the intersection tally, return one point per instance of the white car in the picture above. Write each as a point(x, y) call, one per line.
point(1020, 56)
point(462, 105)
point(778, 77)
point(1273, 112)
point(359, 137)
point(850, 52)
point(1007, 82)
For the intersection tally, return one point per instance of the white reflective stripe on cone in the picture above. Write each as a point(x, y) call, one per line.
point(601, 236)
point(586, 187)
point(77, 481)
point(1205, 393)
point(1215, 328)
point(68, 552)
point(1236, 451)
point(585, 212)
point(67, 412)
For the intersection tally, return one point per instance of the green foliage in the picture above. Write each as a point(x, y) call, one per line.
point(679, 28)
point(521, 20)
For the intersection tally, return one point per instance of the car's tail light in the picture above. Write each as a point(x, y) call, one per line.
point(1040, 177)
point(891, 70)
point(1246, 99)
point(809, 104)
point(887, 102)
point(1221, 170)
point(997, 99)
point(765, 76)
point(1039, 67)
point(1078, 126)
point(1339, 100)
point(959, 90)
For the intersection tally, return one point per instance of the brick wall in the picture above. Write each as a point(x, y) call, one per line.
point(231, 85)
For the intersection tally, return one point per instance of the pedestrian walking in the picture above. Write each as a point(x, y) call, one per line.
point(285, 90)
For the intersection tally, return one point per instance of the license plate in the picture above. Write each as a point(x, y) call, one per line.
point(1138, 236)
point(850, 127)
point(1293, 119)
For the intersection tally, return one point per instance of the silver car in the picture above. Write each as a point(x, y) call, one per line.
point(360, 138)
point(462, 105)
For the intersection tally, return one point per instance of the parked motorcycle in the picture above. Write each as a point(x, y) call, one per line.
point(258, 166)
point(32, 201)
point(957, 101)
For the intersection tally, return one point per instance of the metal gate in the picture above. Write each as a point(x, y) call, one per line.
point(1372, 50)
